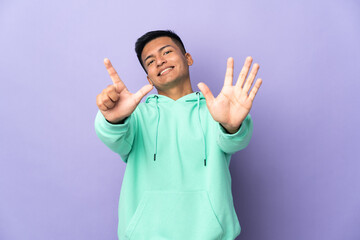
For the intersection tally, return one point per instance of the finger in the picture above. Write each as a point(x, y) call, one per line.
point(206, 92)
point(112, 94)
point(99, 103)
point(251, 77)
point(255, 89)
point(113, 74)
point(103, 102)
point(229, 75)
point(142, 92)
point(107, 102)
point(244, 72)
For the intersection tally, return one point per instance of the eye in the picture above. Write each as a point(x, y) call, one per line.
point(167, 52)
point(150, 62)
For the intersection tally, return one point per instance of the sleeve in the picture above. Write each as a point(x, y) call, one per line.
point(118, 137)
point(231, 143)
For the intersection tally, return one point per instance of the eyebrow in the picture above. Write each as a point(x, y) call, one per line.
point(160, 49)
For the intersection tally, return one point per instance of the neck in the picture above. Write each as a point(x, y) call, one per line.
point(177, 92)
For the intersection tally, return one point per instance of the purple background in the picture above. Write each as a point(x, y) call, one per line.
point(298, 179)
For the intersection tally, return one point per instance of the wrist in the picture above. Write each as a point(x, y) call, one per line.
point(117, 121)
point(230, 129)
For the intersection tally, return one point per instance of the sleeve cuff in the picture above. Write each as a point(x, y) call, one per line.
point(104, 124)
point(240, 132)
point(231, 143)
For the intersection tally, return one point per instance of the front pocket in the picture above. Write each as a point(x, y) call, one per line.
point(174, 215)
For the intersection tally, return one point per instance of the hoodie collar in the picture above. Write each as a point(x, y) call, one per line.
point(187, 98)
point(192, 97)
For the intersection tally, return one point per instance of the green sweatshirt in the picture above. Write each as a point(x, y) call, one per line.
point(177, 183)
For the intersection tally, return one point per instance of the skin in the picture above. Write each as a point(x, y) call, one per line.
point(229, 108)
point(162, 53)
point(234, 102)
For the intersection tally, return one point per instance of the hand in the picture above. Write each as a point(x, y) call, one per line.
point(233, 103)
point(116, 102)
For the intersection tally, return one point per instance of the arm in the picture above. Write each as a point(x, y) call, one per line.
point(115, 121)
point(231, 143)
point(232, 106)
point(118, 137)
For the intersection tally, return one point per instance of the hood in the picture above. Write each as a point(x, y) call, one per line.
point(195, 97)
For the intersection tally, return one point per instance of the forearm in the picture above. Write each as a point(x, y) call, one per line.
point(118, 137)
point(233, 142)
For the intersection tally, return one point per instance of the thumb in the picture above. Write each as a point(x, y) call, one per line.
point(206, 92)
point(142, 92)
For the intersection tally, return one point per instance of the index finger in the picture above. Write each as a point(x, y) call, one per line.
point(113, 74)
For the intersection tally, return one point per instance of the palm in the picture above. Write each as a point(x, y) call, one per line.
point(233, 103)
point(230, 108)
point(123, 108)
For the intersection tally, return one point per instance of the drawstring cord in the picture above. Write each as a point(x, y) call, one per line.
point(158, 120)
point(202, 130)
point(157, 126)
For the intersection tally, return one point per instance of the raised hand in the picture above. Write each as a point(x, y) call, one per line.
point(233, 103)
point(116, 102)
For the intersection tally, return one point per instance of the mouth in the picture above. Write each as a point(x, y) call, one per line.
point(165, 71)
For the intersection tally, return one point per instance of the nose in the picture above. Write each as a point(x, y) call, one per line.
point(160, 61)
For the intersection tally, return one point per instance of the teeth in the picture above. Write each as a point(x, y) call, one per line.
point(165, 70)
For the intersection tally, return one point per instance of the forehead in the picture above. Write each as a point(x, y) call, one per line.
point(154, 45)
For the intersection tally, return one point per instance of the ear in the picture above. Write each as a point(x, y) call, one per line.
point(189, 59)
point(149, 80)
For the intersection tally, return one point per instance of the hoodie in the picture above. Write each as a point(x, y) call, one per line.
point(177, 183)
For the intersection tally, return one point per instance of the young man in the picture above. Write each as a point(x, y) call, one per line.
point(177, 144)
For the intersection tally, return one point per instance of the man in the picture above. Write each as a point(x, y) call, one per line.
point(177, 144)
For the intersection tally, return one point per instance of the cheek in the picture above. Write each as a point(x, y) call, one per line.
point(183, 67)
point(152, 73)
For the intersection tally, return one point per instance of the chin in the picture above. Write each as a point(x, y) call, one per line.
point(166, 84)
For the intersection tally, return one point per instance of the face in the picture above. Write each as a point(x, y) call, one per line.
point(167, 66)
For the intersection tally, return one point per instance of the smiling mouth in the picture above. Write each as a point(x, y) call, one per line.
point(166, 70)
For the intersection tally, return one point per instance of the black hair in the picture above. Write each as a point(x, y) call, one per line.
point(147, 37)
